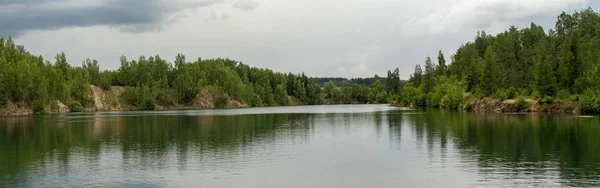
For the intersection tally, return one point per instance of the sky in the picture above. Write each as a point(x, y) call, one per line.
point(324, 38)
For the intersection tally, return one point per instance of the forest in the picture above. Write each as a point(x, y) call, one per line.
point(523, 64)
point(528, 64)
point(30, 81)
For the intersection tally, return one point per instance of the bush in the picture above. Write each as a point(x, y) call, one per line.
point(590, 101)
point(547, 100)
point(511, 93)
point(466, 105)
point(105, 80)
point(524, 92)
point(255, 101)
point(433, 99)
point(39, 108)
point(395, 99)
point(165, 96)
point(546, 108)
point(450, 101)
point(563, 94)
point(381, 97)
point(420, 100)
point(140, 97)
point(500, 95)
point(76, 107)
point(130, 96)
point(221, 98)
point(3, 100)
point(574, 98)
point(536, 95)
point(149, 104)
point(521, 102)
point(411, 96)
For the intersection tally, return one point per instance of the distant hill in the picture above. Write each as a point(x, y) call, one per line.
point(339, 80)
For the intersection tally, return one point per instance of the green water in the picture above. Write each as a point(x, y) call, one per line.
point(308, 146)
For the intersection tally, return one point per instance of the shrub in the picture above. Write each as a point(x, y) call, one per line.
point(524, 92)
point(546, 108)
point(590, 101)
point(165, 96)
point(76, 107)
point(451, 101)
point(255, 101)
point(511, 93)
point(3, 100)
point(395, 99)
point(547, 100)
point(411, 96)
point(131, 96)
point(536, 95)
point(466, 105)
point(433, 99)
point(521, 102)
point(221, 98)
point(574, 98)
point(500, 95)
point(563, 94)
point(39, 108)
point(149, 104)
point(420, 100)
point(381, 97)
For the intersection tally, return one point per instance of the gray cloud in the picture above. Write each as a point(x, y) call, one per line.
point(17, 17)
point(320, 37)
point(246, 4)
point(218, 16)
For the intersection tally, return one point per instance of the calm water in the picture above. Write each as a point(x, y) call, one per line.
point(311, 146)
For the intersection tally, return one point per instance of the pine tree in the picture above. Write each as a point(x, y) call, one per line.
point(429, 78)
point(441, 69)
point(489, 81)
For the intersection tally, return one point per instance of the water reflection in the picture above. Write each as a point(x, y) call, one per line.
point(511, 150)
point(164, 149)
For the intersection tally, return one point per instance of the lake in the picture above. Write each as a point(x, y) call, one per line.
point(304, 146)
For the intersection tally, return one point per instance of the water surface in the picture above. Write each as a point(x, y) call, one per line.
point(307, 146)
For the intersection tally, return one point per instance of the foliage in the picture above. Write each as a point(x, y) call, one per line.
point(39, 108)
point(27, 80)
point(521, 102)
point(590, 101)
point(76, 106)
point(561, 63)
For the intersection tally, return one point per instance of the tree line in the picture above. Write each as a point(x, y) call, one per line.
point(559, 64)
point(338, 81)
point(547, 66)
point(28, 80)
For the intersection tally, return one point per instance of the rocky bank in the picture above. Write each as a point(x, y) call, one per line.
point(111, 100)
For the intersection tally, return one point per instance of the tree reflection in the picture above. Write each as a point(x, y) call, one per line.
point(518, 144)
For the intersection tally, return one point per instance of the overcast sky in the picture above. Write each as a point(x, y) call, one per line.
point(345, 38)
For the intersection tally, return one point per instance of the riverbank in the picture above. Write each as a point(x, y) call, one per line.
point(489, 104)
point(112, 100)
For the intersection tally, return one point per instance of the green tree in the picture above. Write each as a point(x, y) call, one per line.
point(442, 68)
point(489, 81)
point(429, 78)
point(545, 80)
point(393, 81)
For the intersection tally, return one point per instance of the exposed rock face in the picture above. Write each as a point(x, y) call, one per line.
point(13, 109)
point(110, 100)
point(62, 108)
point(499, 106)
point(107, 100)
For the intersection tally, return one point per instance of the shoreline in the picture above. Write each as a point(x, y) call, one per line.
point(488, 104)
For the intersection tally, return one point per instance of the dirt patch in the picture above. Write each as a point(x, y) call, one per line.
point(494, 105)
point(107, 100)
point(13, 109)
